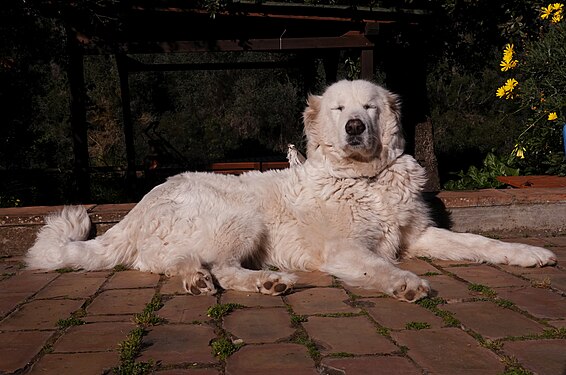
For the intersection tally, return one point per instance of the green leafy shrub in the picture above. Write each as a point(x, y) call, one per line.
point(484, 177)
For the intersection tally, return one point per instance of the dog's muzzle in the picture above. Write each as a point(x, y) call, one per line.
point(355, 128)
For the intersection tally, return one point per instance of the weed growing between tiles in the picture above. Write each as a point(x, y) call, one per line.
point(416, 326)
point(339, 315)
point(432, 274)
point(222, 309)
point(70, 322)
point(432, 305)
point(296, 320)
point(506, 304)
point(340, 355)
point(513, 367)
point(485, 290)
point(131, 347)
point(383, 331)
point(300, 336)
point(74, 320)
point(148, 317)
point(547, 334)
point(223, 347)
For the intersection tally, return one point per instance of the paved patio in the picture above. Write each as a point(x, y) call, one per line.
point(484, 319)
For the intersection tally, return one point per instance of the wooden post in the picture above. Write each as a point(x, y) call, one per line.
point(78, 120)
point(122, 64)
point(330, 62)
point(367, 64)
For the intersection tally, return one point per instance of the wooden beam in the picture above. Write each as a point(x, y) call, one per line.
point(258, 45)
point(137, 66)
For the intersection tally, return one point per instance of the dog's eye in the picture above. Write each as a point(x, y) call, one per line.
point(338, 108)
point(369, 106)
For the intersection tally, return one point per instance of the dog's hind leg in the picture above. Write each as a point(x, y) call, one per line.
point(233, 276)
point(444, 244)
point(236, 237)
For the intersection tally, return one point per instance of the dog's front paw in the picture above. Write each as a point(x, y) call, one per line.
point(199, 283)
point(532, 256)
point(410, 288)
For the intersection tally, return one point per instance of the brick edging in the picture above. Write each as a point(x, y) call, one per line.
point(108, 213)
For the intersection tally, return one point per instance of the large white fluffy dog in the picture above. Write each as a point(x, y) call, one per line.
point(350, 210)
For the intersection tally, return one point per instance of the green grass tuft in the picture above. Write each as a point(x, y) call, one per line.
point(504, 303)
point(432, 274)
point(554, 333)
point(383, 331)
point(486, 291)
point(513, 367)
point(223, 348)
point(341, 355)
point(417, 326)
point(148, 317)
point(220, 310)
point(430, 303)
point(129, 350)
point(298, 319)
point(302, 338)
point(131, 347)
point(70, 322)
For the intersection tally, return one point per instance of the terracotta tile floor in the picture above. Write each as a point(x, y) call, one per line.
point(320, 327)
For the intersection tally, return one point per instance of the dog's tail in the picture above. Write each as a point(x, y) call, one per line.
point(62, 243)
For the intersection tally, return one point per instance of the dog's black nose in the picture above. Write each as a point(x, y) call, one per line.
point(355, 127)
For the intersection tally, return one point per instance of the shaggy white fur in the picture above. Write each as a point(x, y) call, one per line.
point(351, 210)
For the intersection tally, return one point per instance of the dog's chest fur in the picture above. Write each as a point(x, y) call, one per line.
point(374, 212)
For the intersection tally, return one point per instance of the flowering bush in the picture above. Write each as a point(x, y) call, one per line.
point(536, 88)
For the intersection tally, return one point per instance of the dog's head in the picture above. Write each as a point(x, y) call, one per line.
point(354, 124)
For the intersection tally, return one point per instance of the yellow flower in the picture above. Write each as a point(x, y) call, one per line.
point(510, 84)
point(507, 65)
point(546, 12)
point(519, 151)
point(552, 11)
point(507, 89)
point(508, 52)
point(552, 116)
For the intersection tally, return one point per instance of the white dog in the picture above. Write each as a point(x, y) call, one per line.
point(351, 209)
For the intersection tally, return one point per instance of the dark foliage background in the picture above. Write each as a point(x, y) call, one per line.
point(205, 116)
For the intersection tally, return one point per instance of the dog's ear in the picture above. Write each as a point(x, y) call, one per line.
point(393, 140)
point(312, 110)
point(311, 121)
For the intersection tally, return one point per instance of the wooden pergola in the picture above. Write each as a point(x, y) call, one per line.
point(127, 28)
